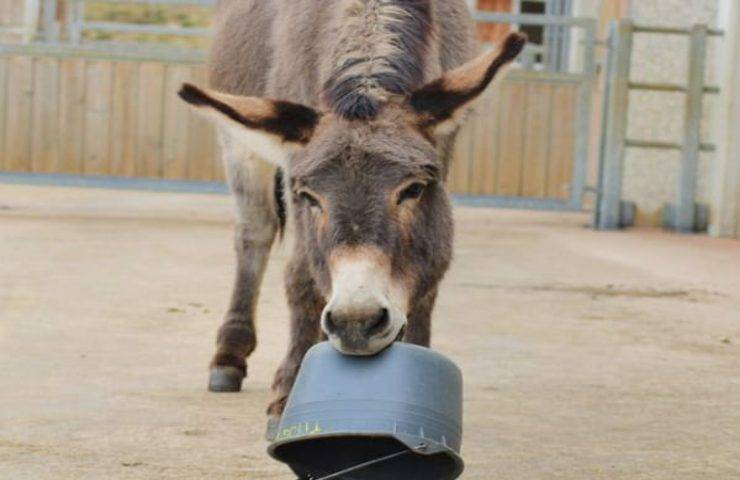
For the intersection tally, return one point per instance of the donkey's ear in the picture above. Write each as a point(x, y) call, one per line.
point(269, 128)
point(440, 104)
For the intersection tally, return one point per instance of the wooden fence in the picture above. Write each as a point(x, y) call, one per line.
point(102, 117)
point(520, 141)
point(85, 114)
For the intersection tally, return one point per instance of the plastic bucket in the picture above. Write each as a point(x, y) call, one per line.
point(344, 411)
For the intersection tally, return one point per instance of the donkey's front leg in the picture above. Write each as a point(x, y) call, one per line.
point(306, 305)
point(252, 183)
point(236, 338)
point(419, 326)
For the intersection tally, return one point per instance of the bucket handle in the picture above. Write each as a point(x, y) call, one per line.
point(419, 448)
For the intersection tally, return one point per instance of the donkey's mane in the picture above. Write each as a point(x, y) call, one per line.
point(380, 52)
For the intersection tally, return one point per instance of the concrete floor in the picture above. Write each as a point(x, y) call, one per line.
point(586, 355)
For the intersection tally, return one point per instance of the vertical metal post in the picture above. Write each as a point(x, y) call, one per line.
point(583, 118)
point(30, 19)
point(76, 19)
point(685, 219)
point(528, 58)
point(614, 126)
point(51, 27)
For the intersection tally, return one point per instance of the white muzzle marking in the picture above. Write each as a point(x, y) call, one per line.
point(367, 308)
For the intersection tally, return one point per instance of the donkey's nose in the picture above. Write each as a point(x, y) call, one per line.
point(356, 330)
point(370, 325)
point(378, 324)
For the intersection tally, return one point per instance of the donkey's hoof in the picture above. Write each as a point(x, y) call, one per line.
point(225, 379)
point(273, 423)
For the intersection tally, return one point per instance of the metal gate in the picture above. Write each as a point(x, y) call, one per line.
point(684, 215)
point(527, 143)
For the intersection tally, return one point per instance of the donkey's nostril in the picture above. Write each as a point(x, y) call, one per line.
point(331, 327)
point(379, 323)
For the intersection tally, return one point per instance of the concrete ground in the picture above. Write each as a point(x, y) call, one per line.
point(586, 355)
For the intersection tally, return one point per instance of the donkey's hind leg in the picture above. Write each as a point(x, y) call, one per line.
point(252, 182)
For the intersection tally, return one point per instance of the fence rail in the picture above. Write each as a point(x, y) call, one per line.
point(98, 109)
point(76, 110)
point(78, 25)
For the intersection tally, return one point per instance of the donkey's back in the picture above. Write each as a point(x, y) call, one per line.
point(280, 48)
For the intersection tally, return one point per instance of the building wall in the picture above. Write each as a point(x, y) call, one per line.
point(493, 32)
point(651, 176)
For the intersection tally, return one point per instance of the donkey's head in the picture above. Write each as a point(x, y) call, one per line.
point(371, 210)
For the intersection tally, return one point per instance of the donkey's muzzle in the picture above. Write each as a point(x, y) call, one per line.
point(359, 333)
point(368, 306)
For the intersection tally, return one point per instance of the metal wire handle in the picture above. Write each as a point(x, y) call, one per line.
point(418, 448)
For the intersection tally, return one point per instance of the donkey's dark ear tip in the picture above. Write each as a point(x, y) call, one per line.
point(192, 94)
point(514, 44)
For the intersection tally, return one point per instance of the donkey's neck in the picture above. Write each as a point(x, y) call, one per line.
point(379, 52)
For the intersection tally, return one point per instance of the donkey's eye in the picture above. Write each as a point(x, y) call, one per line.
point(310, 200)
point(411, 192)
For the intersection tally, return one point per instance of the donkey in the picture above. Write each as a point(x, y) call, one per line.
point(340, 114)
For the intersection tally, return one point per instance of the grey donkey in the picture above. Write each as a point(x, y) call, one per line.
point(340, 116)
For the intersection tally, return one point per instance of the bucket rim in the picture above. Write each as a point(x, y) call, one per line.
point(410, 442)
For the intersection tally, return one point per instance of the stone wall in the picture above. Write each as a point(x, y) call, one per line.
point(651, 176)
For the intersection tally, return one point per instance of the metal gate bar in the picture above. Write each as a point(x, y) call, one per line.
point(609, 208)
point(684, 218)
point(684, 215)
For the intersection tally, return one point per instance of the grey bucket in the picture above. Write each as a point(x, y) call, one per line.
point(347, 410)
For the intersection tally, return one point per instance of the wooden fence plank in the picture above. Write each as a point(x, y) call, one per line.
point(511, 136)
point(98, 99)
point(176, 116)
point(125, 115)
point(486, 153)
point(481, 157)
point(149, 124)
point(458, 153)
point(219, 172)
point(71, 115)
point(19, 114)
point(562, 141)
point(3, 106)
point(201, 139)
point(457, 180)
point(45, 144)
point(490, 173)
point(536, 146)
